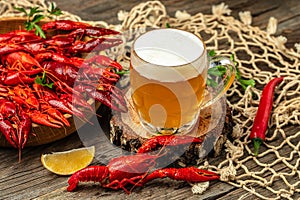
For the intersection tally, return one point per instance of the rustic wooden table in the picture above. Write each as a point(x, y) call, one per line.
point(29, 180)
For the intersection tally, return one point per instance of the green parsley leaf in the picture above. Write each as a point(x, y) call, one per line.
point(217, 71)
point(42, 81)
point(54, 10)
point(212, 83)
point(122, 72)
point(29, 26)
point(39, 31)
point(212, 53)
point(38, 80)
point(245, 83)
point(33, 11)
point(168, 25)
point(220, 71)
point(37, 18)
point(21, 10)
point(33, 18)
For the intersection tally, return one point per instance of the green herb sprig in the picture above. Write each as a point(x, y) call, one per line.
point(54, 11)
point(34, 17)
point(220, 71)
point(244, 83)
point(42, 81)
point(122, 72)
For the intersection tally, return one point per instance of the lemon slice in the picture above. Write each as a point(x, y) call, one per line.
point(68, 162)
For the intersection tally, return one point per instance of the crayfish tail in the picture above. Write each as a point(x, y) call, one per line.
point(91, 173)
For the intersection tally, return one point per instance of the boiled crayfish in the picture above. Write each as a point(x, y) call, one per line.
point(66, 80)
point(136, 169)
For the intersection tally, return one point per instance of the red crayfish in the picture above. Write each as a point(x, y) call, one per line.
point(136, 169)
point(48, 78)
point(15, 124)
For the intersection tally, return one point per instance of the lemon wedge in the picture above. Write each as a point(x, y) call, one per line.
point(68, 162)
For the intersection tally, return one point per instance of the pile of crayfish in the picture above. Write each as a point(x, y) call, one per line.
point(42, 79)
point(138, 169)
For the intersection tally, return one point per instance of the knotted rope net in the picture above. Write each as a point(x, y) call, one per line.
point(261, 56)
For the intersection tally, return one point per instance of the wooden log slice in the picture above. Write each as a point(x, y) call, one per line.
point(215, 125)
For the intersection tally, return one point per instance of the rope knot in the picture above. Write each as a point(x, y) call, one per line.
point(280, 41)
point(272, 26)
point(122, 15)
point(297, 46)
point(228, 173)
point(234, 151)
point(246, 17)
point(220, 10)
point(182, 15)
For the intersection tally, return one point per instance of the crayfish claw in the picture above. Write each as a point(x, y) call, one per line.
point(8, 131)
point(15, 124)
point(24, 128)
point(189, 174)
point(8, 117)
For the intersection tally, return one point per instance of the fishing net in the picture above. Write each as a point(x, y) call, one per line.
point(261, 56)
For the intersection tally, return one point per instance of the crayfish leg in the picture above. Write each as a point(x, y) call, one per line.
point(58, 115)
point(166, 140)
point(116, 184)
point(44, 119)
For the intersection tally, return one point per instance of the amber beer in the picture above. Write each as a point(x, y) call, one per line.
point(158, 104)
point(167, 76)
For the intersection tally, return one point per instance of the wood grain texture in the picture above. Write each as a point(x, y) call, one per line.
point(29, 180)
point(286, 12)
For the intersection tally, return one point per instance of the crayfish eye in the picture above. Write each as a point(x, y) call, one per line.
point(45, 45)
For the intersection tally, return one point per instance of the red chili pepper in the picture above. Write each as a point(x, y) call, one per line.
point(263, 114)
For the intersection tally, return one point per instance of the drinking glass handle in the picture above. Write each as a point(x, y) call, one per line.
point(221, 74)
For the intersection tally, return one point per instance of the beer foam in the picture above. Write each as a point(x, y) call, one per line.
point(167, 73)
point(161, 57)
point(169, 55)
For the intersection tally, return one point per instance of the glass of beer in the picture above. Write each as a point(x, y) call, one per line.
point(168, 73)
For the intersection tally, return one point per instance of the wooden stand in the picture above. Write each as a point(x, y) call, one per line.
point(214, 127)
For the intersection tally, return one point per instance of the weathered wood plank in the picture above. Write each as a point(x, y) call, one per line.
point(286, 12)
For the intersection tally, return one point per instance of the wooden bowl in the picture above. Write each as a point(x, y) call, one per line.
point(11, 23)
point(41, 134)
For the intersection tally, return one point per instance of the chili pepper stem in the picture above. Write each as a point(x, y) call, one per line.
point(256, 142)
